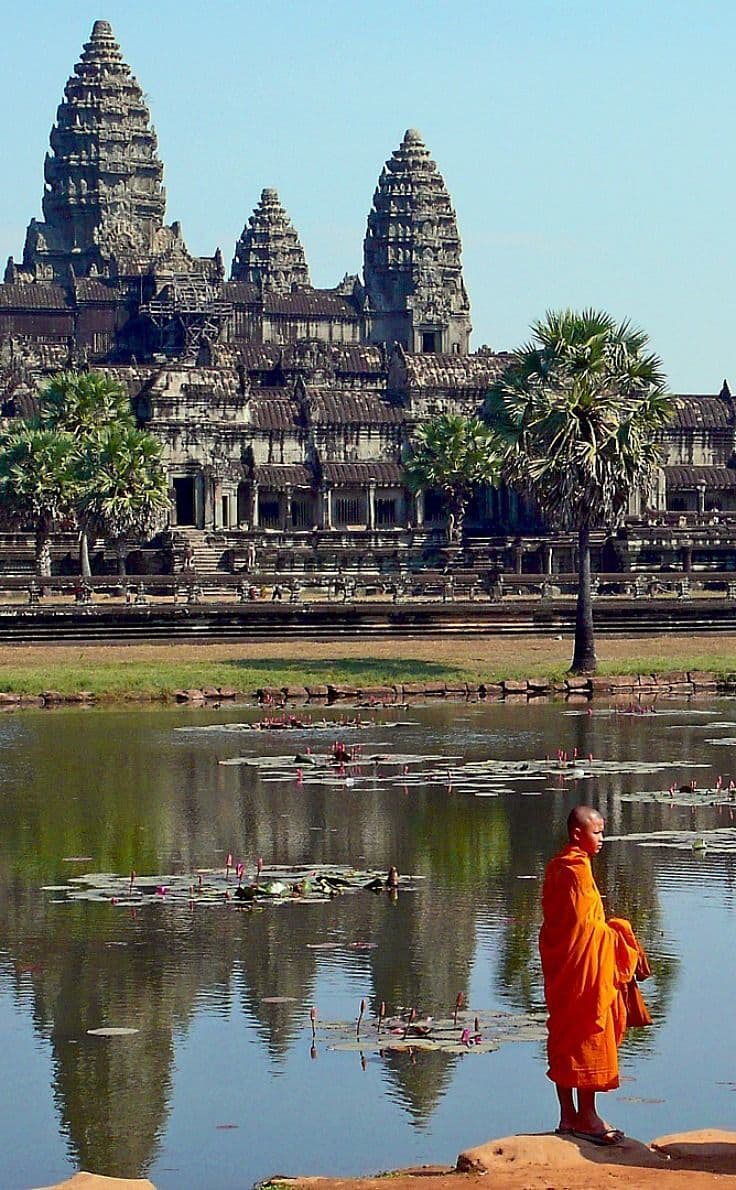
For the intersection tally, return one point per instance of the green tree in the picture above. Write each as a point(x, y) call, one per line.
point(454, 455)
point(38, 483)
point(85, 405)
point(579, 410)
point(123, 488)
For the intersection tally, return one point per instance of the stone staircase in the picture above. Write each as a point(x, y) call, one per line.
point(209, 548)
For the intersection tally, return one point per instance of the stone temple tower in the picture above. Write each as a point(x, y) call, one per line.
point(415, 293)
point(269, 252)
point(103, 201)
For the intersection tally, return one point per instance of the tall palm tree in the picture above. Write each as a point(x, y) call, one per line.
point(123, 487)
point(454, 455)
point(579, 410)
point(38, 483)
point(84, 405)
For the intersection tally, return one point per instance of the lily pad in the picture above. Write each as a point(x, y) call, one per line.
point(112, 1031)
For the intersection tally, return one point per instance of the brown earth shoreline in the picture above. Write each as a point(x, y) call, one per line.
point(698, 1160)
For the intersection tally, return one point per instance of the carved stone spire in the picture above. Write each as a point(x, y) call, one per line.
point(269, 251)
point(412, 266)
point(103, 197)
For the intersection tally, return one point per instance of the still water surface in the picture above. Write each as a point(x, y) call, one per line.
point(219, 1087)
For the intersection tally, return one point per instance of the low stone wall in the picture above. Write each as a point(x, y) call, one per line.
point(627, 686)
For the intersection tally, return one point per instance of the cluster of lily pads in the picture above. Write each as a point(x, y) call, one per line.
point(272, 886)
point(720, 841)
point(480, 778)
point(466, 1031)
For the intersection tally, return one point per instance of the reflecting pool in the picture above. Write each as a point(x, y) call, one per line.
point(222, 1083)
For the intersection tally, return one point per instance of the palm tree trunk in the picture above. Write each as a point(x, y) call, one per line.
point(584, 659)
point(43, 547)
point(84, 566)
point(456, 519)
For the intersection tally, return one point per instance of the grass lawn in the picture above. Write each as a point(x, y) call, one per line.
point(156, 670)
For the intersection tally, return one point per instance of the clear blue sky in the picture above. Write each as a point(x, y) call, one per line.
point(588, 146)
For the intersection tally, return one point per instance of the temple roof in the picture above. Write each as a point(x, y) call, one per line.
point(693, 477)
point(310, 303)
point(282, 475)
point(241, 293)
point(705, 412)
point(34, 297)
point(454, 371)
point(331, 406)
point(269, 252)
point(275, 409)
point(383, 472)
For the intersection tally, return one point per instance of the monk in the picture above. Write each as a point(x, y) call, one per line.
point(586, 961)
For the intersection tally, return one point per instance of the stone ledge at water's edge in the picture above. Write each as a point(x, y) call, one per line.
point(692, 1160)
point(617, 686)
point(689, 1160)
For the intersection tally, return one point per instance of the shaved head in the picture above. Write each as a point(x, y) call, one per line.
point(582, 816)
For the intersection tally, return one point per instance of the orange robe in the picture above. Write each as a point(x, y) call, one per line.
point(585, 962)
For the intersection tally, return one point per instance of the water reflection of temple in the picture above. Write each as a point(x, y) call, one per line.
point(127, 790)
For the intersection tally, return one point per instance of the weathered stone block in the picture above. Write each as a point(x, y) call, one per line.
point(578, 685)
point(317, 691)
point(514, 686)
point(702, 678)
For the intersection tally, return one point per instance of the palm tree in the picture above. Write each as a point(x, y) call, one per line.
point(579, 410)
point(83, 402)
point(454, 455)
point(38, 482)
point(84, 405)
point(123, 485)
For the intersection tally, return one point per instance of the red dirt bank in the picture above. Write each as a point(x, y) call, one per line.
point(693, 1160)
point(683, 1161)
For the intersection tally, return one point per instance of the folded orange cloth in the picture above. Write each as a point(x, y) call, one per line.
point(586, 961)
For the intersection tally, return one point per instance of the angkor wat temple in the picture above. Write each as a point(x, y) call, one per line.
point(284, 409)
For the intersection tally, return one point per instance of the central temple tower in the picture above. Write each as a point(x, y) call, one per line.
point(415, 293)
point(103, 202)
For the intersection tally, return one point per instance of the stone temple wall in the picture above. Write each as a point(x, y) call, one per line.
point(284, 410)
